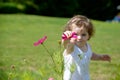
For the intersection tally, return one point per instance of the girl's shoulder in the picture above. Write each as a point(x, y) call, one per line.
point(89, 47)
point(89, 51)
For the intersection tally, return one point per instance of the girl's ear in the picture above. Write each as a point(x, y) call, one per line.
point(89, 38)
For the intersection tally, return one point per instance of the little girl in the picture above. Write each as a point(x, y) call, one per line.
point(78, 53)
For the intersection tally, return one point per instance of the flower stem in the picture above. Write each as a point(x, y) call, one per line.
point(49, 54)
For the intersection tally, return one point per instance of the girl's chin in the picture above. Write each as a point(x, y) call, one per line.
point(80, 43)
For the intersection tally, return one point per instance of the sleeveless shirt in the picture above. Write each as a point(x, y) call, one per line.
point(76, 64)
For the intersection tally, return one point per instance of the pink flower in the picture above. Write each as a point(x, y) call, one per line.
point(40, 41)
point(74, 35)
point(51, 78)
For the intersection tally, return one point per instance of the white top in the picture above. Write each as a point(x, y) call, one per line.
point(77, 64)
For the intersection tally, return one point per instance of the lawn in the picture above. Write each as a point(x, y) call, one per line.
point(18, 32)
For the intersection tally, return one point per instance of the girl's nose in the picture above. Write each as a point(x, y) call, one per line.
point(79, 37)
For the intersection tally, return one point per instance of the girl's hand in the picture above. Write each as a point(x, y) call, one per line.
point(102, 57)
point(68, 40)
point(106, 58)
point(68, 35)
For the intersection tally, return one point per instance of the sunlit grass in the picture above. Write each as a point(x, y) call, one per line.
point(19, 32)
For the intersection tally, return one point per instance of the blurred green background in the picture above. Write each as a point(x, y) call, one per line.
point(20, 60)
point(23, 22)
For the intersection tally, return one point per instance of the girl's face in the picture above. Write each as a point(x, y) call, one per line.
point(82, 34)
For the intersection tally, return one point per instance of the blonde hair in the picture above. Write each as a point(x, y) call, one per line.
point(80, 21)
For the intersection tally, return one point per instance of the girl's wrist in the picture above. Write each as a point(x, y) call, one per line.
point(72, 40)
point(100, 57)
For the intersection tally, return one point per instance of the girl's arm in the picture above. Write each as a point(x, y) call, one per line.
point(68, 41)
point(68, 46)
point(103, 57)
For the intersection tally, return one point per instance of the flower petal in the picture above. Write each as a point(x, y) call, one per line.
point(36, 43)
point(40, 41)
point(64, 37)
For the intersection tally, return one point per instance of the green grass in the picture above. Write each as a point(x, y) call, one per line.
point(19, 32)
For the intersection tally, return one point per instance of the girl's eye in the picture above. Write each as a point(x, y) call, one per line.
point(83, 34)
